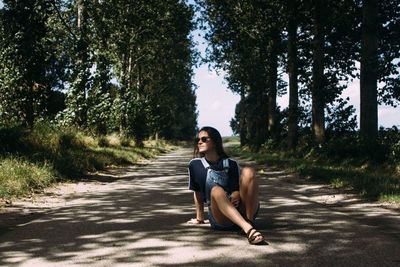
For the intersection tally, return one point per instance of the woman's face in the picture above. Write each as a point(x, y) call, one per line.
point(205, 144)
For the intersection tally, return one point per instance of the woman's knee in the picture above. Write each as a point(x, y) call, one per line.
point(248, 173)
point(217, 191)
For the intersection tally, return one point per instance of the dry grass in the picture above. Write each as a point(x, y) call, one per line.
point(30, 160)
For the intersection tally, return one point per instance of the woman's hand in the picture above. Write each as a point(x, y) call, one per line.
point(196, 221)
point(235, 198)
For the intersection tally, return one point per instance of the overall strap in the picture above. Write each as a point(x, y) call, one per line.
point(225, 163)
point(205, 163)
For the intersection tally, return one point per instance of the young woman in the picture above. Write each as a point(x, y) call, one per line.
point(232, 202)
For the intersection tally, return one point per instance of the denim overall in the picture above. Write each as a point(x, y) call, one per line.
point(215, 177)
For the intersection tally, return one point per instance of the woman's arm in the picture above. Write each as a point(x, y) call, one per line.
point(199, 204)
point(198, 201)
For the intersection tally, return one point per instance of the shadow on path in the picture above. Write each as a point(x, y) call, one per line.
point(138, 220)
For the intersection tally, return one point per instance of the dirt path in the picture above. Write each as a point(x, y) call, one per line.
point(135, 217)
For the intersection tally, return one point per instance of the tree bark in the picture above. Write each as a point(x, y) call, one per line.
point(368, 79)
point(242, 119)
point(272, 84)
point(82, 63)
point(317, 91)
point(293, 73)
point(124, 76)
point(80, 18)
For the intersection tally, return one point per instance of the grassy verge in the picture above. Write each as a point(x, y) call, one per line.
point(32, 160)
point(19, 176)
point(375, 182)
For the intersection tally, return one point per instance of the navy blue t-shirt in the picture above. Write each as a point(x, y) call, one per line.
point(198, 175)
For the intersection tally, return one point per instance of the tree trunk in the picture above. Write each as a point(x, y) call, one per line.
point(293, 73)
point(256, 117)
point(123, 98)
point(242, 119)
point(80, 18)
point(317, 90)
point(82, 67)
point(369, 63)
point(29, 108)
point(272, 84)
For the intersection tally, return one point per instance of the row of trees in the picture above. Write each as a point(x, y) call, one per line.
point(106, 66)
point(320, 45)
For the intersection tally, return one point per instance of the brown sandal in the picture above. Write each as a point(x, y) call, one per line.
point(252, 237)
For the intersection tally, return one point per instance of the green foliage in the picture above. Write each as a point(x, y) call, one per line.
point(249, 40)
point(30, 160)
point(389, 52)
point(389, 140)
point(340, 118)
point(376, 182)
point(103, 141)
point(19, 176)
point(246, 42)
point(100, 66)
point(24, 85)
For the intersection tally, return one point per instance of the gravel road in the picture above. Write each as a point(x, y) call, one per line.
point(135, 216)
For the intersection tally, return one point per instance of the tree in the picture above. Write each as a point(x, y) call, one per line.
point(100, 97)
point(333, 51)
point(245, 41)
point(389, 52)
point(317, 91)
point(114, 65)
point(292, 10)
point(380, 50)
point(368, 79)
point(23, 85)
point(77, 106)
point(154, 60)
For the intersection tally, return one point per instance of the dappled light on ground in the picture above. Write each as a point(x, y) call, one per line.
point(138, 219)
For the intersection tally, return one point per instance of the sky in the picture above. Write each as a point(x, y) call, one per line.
point(215, 102)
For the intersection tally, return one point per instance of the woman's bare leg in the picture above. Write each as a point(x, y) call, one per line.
point(249, 191)
point(225, 213)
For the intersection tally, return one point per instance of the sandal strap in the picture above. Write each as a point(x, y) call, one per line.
point(251, 237)
point(249, 231)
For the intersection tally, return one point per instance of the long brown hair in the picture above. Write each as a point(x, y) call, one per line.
point(215, 136)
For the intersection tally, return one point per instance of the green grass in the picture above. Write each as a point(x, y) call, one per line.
point(19, 176)
point(32, 160)
point(375, 182)
point(231, 140)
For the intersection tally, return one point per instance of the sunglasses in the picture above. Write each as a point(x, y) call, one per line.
point(203, 139)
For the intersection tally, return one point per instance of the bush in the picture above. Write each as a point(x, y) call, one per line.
point(125, 142)
point(31, 159)
point(389, 139)
point(103, 141)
